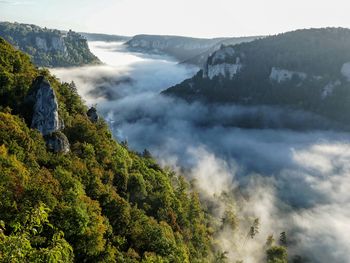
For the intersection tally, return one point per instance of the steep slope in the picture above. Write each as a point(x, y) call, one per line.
point(99, 202)
point(48, 48)
point(304, 69)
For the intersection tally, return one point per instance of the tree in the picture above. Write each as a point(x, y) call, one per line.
point(146, 153)
point(220, 257)
point(24, 244)
point(254, 229)
point(283, 239)
point(277, 254)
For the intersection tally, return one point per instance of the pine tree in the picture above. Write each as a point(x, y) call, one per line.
point(283, 239)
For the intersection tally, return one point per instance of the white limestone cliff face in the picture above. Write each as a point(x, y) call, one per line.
point(45, 115)
point(57, 43)
point(329, 88)
point(281, 75)
point(53, 44)
point(41, 43)
point(225, 70)
point(221, 64)
point(345, 70)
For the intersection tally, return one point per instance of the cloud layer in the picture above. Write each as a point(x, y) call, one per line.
point(291, 171)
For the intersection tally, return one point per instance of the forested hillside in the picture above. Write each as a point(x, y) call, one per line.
point(303, 69)
point(100, 201)
point(47, 47)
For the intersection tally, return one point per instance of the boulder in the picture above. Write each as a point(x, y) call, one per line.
point(92, 114)
point(57, 142)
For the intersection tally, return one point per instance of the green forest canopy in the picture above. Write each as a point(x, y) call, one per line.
point(101, 202)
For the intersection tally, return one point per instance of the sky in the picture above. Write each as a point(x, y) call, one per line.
point(197, 18)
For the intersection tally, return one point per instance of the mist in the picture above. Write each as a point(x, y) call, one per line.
point(287, 168)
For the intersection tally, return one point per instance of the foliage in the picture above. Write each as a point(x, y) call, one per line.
point(254, 229)
point(283, 239)
point(100, 202)
point(27, 234)
point(277, 254)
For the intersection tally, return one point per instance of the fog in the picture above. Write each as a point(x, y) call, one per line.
point(284, 167)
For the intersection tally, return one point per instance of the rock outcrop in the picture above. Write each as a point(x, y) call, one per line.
point(92, 114)
point(329, 88)
point(224, 63)
point(45, 116)
point(345, 70)
point(57, 142)
point(281, 75)
point(45, 111)
point(201, 59)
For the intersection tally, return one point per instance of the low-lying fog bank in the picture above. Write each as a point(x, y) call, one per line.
point(293, 175)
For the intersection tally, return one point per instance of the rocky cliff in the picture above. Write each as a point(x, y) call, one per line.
point(47, 47)
point(101, 202)
point(201, 59)
point(223, 63)
point(45, 117)
point(45, 110)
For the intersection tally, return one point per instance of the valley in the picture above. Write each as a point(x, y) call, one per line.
point(273, 161)
point(174, 131)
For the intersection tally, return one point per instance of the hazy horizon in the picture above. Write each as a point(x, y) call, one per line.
point(164, 34)
point(183, 18)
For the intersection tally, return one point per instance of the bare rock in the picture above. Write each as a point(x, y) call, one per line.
point(92, 114)
point(57, 142)
point(45, 118)
point(45, 111)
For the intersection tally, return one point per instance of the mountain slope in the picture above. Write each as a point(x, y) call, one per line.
point(304, 69)
point(96, 200)
point(48, 48)
point(100, 202)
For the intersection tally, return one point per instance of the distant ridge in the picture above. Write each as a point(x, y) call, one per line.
point(104, 37)
point(184, 49)
point(306, 69)
point(48, 47)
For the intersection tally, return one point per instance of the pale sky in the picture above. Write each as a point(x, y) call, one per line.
point(198, 18)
